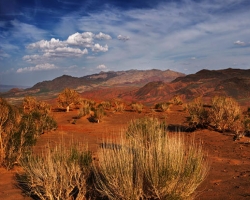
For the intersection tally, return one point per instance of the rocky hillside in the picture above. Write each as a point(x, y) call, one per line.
point(206, 83)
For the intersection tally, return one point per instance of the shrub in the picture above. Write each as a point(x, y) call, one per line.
point(119, 106)
point(85, 108)
point(176, 100)
point(57, 173)
point(150, 164)
point(163, 106)
point(106, 105)
point(137, 107)
point(67, 98)
point(20, 130)
point(225, 114)
point(198, 114)
point(99, 113)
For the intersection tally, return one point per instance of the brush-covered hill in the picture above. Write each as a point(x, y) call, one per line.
point(206, 83)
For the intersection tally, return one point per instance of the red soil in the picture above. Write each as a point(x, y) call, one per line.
point(229, 175)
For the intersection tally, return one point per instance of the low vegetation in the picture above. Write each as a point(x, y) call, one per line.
point(223, 114)
point(58, 173)
point(150, 164)
point(19, 129)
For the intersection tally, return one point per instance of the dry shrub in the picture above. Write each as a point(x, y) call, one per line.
point(137, 107)
point(19, 130)
point(57, 173)
point(225, 114)
point(198, 114)
point(84, 109)
point(119, 106)
point(176, 100)
point(150, 165)
point(164, 106)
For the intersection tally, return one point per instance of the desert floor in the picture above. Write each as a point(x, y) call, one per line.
point(229, 175)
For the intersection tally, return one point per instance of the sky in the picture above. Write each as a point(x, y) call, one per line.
point(44, 39)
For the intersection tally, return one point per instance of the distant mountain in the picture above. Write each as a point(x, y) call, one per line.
point(108, 79)
point(5, 88)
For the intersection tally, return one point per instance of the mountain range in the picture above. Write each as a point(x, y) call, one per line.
point(148, 86)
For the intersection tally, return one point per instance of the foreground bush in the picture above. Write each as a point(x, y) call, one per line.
point(150, 164)
point(20, 129)
point(58, 173)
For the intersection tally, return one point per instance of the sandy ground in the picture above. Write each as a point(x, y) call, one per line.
point(229, 175)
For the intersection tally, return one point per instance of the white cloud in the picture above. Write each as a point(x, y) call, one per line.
point(65, 52)
point(44, 44)
point(103, 36)
point(40, 67)
point(101, 67)
point(81, 39)
point(97, 48)
point(238, 42)
point(123, 38)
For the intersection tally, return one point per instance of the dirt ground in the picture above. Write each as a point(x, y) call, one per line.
point(229, 175)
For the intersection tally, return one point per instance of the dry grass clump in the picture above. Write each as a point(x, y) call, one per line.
point(57, 173)
point(163, 107)
point(137, 107)
point(150, 164)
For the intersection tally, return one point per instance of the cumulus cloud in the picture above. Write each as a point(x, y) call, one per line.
point(97, 48)
point(81, 39)
point(101, 67)
point(123, 38)
point(44, 44)
point(238, 42)
point(40, 67)
point(75, 46)
point(103, 36)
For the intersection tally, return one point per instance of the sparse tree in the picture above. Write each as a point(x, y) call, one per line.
point(67, 98)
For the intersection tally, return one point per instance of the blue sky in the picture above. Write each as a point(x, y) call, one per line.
point(43, 39)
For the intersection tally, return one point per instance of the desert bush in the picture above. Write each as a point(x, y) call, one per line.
point(84, 109)
point(67, 98)
point(144, 130)
point(99, 113)
point(57, 173)
point(225, 114)
point(117, 175)
point(19, 131)
point(150, 164)
point(137, 107)
point(176, 100)
point(106, 105)
point(164, 106)
point(119, 106)
point(198, 114)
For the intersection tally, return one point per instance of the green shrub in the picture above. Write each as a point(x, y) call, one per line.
point(57, 173)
